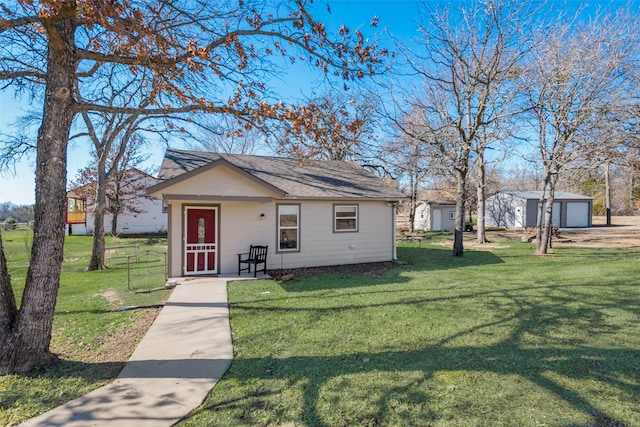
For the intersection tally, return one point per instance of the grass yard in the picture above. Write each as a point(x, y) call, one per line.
point(91, 335)
point(496, 338)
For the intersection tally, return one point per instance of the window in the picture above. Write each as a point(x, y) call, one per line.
point(288, 227)
point(345, 218)
point(452, 215)
point(200, 230)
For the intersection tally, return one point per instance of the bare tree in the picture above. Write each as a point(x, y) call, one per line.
point(569, 75)
point(129, 183)
point(606, 140)
point(407, 162)
point(523, 173)
point(471, 64)
point(203, 56)
point(125, 187)
point(224, 134)
point(113, 136)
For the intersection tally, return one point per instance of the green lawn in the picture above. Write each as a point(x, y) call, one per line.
point(496, 338)
point(89, 328)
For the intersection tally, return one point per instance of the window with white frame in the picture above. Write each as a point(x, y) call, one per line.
point(288, 227)
point(345, 218)
point(452, 215)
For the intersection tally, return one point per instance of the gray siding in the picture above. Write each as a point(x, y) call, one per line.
point(520, 209)
point(531, 213)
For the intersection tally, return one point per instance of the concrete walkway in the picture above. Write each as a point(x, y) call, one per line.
point(177, 363)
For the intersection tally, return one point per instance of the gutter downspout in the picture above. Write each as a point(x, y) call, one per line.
point(393, 228)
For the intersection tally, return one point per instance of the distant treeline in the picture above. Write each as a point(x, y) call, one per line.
point(20, 213)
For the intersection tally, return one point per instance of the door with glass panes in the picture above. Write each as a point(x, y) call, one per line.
point(200, 250)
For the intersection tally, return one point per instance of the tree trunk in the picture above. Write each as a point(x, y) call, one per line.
point(25, 343)
point(412, 206)
point(97, 249)
point(607, 193)
point(458, 246)
point(481, 237)
point(540, 207)
point(545, 230)
point(114, 222)
point(8, 310)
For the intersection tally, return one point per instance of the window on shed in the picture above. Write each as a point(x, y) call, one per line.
point(452, 215)
point(345, 218)
point(288, 227)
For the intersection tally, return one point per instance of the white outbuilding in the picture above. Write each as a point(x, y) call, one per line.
point(519, 209)
point(435, 216)
point(137, 213)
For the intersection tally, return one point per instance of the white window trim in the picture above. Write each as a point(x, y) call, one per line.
point(279, 229)
point(356, 217)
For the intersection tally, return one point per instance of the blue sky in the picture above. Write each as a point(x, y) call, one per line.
point(395, 17)
point(398, 16)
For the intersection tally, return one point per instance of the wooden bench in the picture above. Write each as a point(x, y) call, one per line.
point(256, 255)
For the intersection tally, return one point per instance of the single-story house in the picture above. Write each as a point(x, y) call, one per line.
point(137, 213)
point(315, 213)
point(435, 216)
point(519, 209)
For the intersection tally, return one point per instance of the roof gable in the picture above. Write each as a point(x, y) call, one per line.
point(213, 165)
point(287, 178)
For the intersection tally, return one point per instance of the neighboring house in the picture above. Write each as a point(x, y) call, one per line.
point(317, 213)
point(139, 213)
point(519, 209)
point(435, 216)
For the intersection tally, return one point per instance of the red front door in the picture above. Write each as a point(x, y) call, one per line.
point(200, 244)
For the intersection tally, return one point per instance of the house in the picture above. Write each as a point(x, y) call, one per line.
point(317, 213)
point(435, 216)
point(136, 212)
point(519, 209)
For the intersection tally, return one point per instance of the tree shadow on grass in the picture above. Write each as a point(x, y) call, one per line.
point(426, 260)
point(434, 259)
point(532, 352)
point(317, 377)
point(39, 387)
point(63, 368)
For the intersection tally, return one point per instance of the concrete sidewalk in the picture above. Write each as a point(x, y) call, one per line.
point(177, 363)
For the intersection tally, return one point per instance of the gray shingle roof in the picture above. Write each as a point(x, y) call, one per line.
point(315, 179)
point(532, 194)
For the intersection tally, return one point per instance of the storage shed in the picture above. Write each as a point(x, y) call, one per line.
point(519, 209)
point(435, 216)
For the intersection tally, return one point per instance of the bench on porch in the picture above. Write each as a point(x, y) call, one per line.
point(256, 255)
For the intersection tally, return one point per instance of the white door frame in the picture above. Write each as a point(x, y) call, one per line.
point(201, 248)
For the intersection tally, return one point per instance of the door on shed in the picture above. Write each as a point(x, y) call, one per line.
point(436, 217)
point(577, 214)
point(200, 249)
